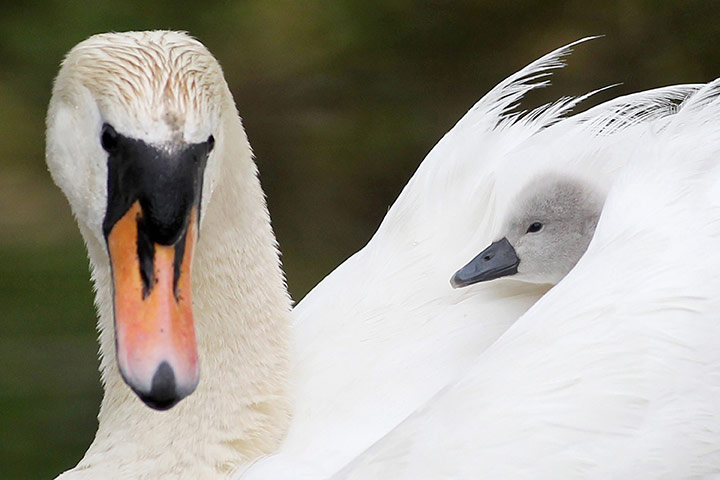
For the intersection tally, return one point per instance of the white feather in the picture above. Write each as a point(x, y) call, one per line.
point(384, 332)
point(374, 340)
point(615, 373)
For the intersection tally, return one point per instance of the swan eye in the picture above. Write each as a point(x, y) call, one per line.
point(534, 227)
point(210, 143)
point(108, 138)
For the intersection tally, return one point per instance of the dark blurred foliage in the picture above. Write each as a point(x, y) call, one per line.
point(341, 100)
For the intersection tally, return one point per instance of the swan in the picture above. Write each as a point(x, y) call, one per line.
point(161, 97)
point(613, 373)
point(389, 348)
point(144, 140)
point(553, 210)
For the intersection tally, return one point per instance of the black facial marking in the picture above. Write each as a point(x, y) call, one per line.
point(146, 257)
point(108, 138)
point(177, 262)
point(168, 184)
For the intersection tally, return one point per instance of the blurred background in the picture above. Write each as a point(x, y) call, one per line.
point(341, 101)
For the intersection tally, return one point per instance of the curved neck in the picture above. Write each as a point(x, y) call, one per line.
point(242, 313)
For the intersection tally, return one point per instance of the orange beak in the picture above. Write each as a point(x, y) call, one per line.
point(154, 329)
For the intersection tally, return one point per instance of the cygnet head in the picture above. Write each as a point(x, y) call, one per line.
point(548, 228)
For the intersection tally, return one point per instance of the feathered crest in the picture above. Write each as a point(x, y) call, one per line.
point(693, 133)
point(700, 108)
point(460, 167)
point(506, 96)
point(456, 184)
point(629, 110)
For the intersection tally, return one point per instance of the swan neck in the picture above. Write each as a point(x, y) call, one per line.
point(240, 409)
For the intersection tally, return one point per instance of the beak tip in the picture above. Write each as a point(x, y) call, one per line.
point(164, 392)
point(159, 405)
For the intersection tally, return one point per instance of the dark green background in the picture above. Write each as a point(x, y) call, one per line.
point(341, 100)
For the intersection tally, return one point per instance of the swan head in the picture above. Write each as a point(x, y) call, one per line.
point(133, 133)
point(547, 229)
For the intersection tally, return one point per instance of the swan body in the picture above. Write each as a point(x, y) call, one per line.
point(371, 343)
point(614, 373)
point(390, 347)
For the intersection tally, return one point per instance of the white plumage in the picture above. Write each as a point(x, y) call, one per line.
point(615, 373)
point(372, 342)
point(385, 331)
point(241, 408)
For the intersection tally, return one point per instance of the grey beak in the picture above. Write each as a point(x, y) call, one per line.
point(497, 260)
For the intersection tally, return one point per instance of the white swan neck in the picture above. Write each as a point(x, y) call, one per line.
point(241, 407)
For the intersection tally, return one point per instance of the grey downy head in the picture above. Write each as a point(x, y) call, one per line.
point(548, 228)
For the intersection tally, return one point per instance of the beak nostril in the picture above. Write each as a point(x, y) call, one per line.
point(497, 260)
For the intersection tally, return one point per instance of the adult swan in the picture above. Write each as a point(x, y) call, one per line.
point(145, 141)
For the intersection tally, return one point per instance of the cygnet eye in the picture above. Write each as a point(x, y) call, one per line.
point(534, 227)
point(108, 138)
